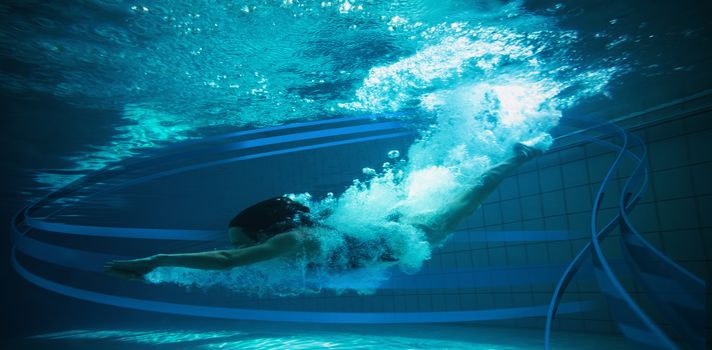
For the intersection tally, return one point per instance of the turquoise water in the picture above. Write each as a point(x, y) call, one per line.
point(178, 71)
point(473, 83)
point(462, 81)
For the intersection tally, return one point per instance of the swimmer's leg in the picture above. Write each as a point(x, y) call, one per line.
point(466, 204)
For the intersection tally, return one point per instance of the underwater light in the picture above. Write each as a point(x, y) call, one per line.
point(154, 337)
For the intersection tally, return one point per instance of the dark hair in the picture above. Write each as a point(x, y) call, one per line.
point(271, 217)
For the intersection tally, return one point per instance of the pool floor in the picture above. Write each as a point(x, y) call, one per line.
point(290, 336)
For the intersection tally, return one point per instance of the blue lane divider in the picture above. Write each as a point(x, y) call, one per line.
point(248, 157)
point(293, 316)
point(290, 127)
point(270, 140)
point(165, 150)
point(126, 232)
point(283, 127)
point(607, 281)
point(310, 135)
point(62, 256)
point(665, 285)
point(678, 294)
point(575, 265)
point(635, 324)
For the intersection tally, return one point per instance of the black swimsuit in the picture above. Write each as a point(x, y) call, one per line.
point(357, 253)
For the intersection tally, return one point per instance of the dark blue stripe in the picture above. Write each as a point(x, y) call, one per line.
point(507, 236)
point(309, 135)
point(126, 232)
point(253, 156)
point(62, 256)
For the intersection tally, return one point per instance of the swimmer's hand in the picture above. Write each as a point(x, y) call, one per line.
point(135, 269)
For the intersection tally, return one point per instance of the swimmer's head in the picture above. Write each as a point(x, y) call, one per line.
point(266, 219)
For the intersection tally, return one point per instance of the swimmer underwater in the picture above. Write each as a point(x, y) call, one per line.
point(281, 227)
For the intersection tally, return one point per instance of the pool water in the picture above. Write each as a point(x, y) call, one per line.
point(138, 128)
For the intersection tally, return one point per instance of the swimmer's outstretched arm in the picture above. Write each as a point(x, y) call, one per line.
point(211, 260)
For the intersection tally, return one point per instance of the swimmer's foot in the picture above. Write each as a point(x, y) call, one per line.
point(526, 152)
point(533, 147)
